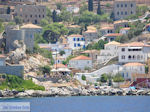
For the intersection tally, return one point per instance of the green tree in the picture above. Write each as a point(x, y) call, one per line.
point(90, 5)
point(45, 69)
point(62, 53)
point(44, 22)
point(99, 45)
point(54, 16)
point(83, 77)
point(146, 69)
point(104, 78)
point(59, 6)
point(83, 8)
point(65, 16)
point(118, 78)
point(99, 8)
point(18, 20)
point(52, 32)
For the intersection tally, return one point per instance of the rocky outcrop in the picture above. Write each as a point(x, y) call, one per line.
point(18, 54)
point(32, 63)
point(71, 91)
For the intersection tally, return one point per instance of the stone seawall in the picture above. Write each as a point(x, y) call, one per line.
point(70, 91)
point(12, 70)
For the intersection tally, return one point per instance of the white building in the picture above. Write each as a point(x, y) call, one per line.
point(76, 41)
point(110, 51)
point(132, 68)
point(133, 52)
point(81, 62)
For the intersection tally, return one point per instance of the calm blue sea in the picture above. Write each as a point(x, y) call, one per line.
point(87, 104)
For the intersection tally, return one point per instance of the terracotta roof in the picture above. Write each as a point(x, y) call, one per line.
point(113, 43)
point(120, 21)
point(90, 51)
point(81, 57)
point(91, 28)
point(134, 44)
point(60, 66)
point(75, 35)
point(90, 31)
point(133, 64)
point(128, 28)
point(2, 56)
point(30, 26)
point(113, 34)
point(108, 27)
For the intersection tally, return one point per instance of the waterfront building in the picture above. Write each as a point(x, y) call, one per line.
point(133, 52)
point(81, 62)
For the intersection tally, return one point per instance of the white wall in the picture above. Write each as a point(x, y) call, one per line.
point(80, 64)
point(72, 43)
point(140, 56)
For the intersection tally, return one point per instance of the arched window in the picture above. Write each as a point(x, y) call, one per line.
point(129, 57)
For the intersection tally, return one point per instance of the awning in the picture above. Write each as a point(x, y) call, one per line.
point(61, 70)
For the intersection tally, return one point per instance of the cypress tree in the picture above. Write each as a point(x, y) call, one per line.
point(54, 16)
point(99, 8)
point(8, 10)
point(90, 5)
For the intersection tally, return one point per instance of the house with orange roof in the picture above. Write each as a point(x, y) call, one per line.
point(92, 54)
point(111, 37)
point(81, 62)
point(132, 68)
point(76, 41)
point(133, 52)
point(121, 24)
point(90, 35)
point(110, 51)
point(124, 31)
point(106, 30)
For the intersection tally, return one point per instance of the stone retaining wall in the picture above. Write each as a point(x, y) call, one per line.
point(12, 70)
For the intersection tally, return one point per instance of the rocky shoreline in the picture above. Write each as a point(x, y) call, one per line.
point(70, 91)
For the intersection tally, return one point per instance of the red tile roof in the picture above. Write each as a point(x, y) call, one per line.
point(2, 56)
point(134, 44)
point(133, 64)
point(81, 57)
point(75, 35)
point(113, 35)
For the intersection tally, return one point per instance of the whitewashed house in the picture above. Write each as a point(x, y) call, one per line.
point(110, 51)
point(132, 68)
point(80, 62)
point(133, 52)
point(76, 42)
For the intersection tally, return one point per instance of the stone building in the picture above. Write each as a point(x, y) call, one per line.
point(25, 34)
point(29, 31)
point(11, 70)
point(31, 13)
point(124, 8)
